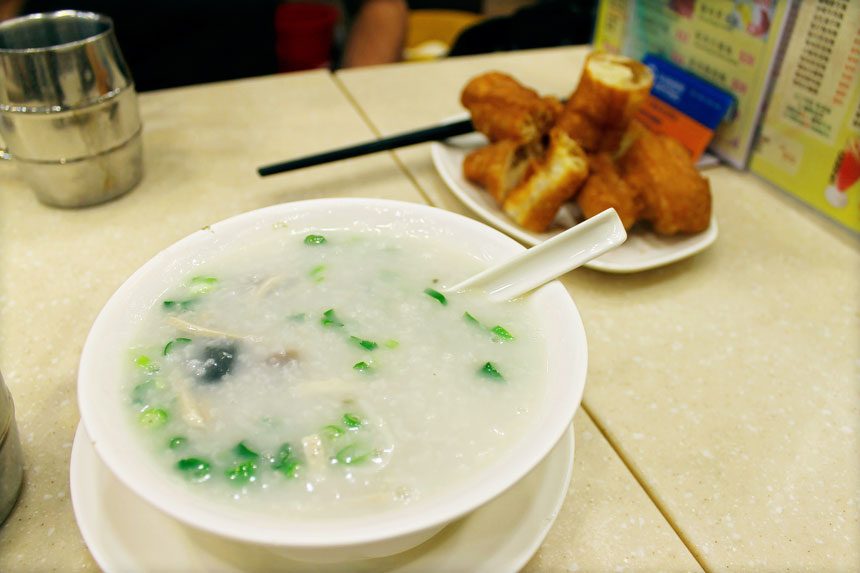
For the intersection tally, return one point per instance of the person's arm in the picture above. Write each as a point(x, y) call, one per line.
point(377, 34)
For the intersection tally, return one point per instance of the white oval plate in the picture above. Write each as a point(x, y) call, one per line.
point(643, 249)
point(124, 533)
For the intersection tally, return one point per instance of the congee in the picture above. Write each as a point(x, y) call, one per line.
point(325, 372)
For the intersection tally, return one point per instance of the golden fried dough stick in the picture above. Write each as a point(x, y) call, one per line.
point(675, 198)
point(605, 188)
point(499, 167)
point(501, 123)
point(500, 88)
point(535, 202)
point(582, 129)
point(611, 140)
point(501, 108)
point(617, 146)
point(596, 139)
point(610, 91)
point(554, 108)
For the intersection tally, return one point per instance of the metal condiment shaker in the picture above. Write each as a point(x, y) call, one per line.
point(11, 462)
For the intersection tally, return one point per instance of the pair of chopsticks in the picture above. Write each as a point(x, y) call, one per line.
point(436, 133)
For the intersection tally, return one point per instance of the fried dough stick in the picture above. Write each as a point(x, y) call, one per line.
point(675, 197)
point(502, 108)
point(611, 89)
point(499, 167)
point(535, 202)
point(605, 188)
point(609, 93)
point(586, 132)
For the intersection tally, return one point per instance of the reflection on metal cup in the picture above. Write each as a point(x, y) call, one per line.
point(11, 462)
point(68, 108)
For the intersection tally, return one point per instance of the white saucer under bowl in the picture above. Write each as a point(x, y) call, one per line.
point(124, 533)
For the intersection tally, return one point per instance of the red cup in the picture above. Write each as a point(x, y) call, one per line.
point(304, 35)
point(849, 169)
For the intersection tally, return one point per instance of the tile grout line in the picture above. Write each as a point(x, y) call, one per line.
point(377, 133)
point(687, 543)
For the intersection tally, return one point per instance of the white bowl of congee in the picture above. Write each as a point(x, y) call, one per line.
point(298, 377)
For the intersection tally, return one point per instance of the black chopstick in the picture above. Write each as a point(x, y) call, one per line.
point(401, 140)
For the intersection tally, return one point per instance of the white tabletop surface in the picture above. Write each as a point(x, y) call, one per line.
point(720, 421)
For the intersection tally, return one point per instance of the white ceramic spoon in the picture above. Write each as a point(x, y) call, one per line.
point(550, 259)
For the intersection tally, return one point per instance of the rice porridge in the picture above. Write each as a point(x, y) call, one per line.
point(327, 372)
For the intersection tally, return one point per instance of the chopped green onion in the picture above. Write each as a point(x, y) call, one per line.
point(315, 240)
point(367, 344)
point(433, 293)
point(198, 286)
point(490, 371)
point(170, 346)
point(242, 473)
point(177, 442)
point(153, 418)
point(330, 319)
point(499, 331)
point(290, 467)
point(285, 462)
point(206, 228)
point(178, 304)
point(361, 367)
point(352, 454)
point(194, 468)
point(285, 452)
point(243, 451)
point(391, 343)
point(316, 273)
point(351, 420)
point(146, 363)
point(331, 431)
point(471, 319)
point(202, 285)
point(198, 289)
point(140, 393)
point(300, 317)
point(502, 333)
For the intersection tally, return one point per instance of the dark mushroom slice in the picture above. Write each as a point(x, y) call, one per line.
point(283, 358)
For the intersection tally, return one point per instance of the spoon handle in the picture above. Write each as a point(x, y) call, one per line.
point(550, 259)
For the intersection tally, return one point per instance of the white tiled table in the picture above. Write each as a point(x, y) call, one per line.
point(728, 383)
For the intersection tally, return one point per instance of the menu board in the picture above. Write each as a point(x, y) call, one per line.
point(810, 137)
point(730, 43)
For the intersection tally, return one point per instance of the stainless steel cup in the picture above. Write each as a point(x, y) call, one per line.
point(68, 108)
point(11, 462)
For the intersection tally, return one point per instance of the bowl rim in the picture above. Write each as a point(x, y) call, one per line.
point(449, 506)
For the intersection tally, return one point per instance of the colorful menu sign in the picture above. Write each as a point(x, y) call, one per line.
point(730, 43)
point(683, 106)
point(809, 143)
